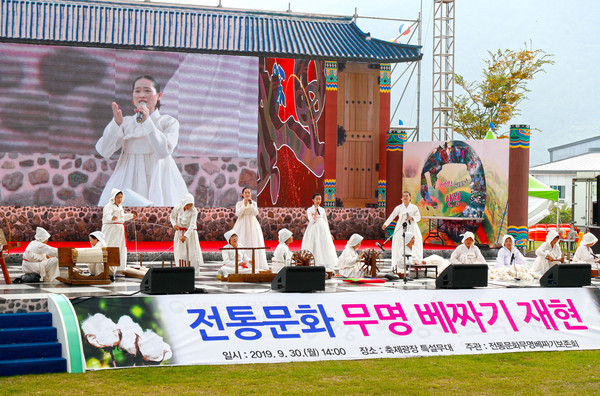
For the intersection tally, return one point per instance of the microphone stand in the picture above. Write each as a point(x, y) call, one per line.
point(404, 225)
point(512, 261)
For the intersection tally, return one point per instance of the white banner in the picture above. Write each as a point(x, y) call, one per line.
point(281, 327)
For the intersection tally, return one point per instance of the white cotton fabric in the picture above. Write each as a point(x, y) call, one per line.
point(284, 234)
point(403, 212)
point(114, 230)
point(250, 233)
point(189, 250)
point(36, 262)
point(317, 238)
point(41, 235)
point(145, 165)
point(541, 263)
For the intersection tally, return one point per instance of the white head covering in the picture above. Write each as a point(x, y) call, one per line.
point(229, 234)
point(588, 239)
point(466, 236)
point(354, 240)
point(508, 236)
point(99, 236)
point(187, 199)
point(41, 235)
point(551, 235)
point(284, 235)
point(408, 236)
point(113, 194)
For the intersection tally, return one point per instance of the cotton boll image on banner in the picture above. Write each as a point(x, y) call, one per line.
point(126, 335)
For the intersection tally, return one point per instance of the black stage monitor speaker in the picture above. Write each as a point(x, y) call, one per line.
point(299, 279)
point(567, 275)
point(463, 276)
point(176, 280)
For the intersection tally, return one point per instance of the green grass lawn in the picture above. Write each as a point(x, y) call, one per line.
point(539, 373)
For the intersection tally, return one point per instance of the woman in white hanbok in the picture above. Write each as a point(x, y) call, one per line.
point(584, 253)
point(317, 237)
point(248, 229)
point(146, 141)
point(350, 262)
point(548, 254)
point(97, 241)
point(41, 259)
point(245, 264)
point(186, 246)
point(407, 213)
point(467, 252)
point(508, 254)
point(113, 227)
point(282, 257)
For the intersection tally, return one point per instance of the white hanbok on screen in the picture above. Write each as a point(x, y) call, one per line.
point(35, 260)
point(114, 230)
point(145, 164)
point(317, 239)
point(403, 213)
point(186, 220)
point(250, 233)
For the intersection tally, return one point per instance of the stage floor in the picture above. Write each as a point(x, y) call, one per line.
point(207, 280)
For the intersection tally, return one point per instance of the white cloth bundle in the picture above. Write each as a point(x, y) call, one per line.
point(89, 255)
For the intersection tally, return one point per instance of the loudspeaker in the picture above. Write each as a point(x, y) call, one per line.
point(463, 276)
point(176, 280)
point(567, 275)
point(299, 279)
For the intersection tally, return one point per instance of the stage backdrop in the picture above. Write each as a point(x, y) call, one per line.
point(270, 328)
point(56, 101)
point(466, 179)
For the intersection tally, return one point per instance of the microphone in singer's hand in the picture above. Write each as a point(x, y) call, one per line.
point(139, 115)
point(379, 246)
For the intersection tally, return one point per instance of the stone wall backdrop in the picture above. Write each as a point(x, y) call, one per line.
point(74, 223)
point(78, 180)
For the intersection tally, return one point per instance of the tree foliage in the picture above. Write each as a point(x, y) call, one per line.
point(495, 99)
point(564, 215)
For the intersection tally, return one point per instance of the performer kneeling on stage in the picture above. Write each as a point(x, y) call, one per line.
point(41, 259)
point(113, 217)
point(407, 213)
point(350, 262)
point(186, 246)
point(97, 241)
point(584, 253)
point(467, 252)
point(508, 254)
point(282, 257)
point(245, 264)
point(548, 254)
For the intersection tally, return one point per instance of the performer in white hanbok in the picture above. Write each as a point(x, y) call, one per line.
point(584, 253)
point(146, 141)
point(317, 237)
point(97, 241)
point(350, 262)
point(467, 252)
point(186, 246)
point(412, 255)
point(113, 227)
point(41, 259)
point(245, 264)
point(548, 254)
point(248, 229)
point(508, 254)
point(282, 257)
point(407, 213)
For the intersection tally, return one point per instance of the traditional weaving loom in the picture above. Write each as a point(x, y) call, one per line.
point(70, 257)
